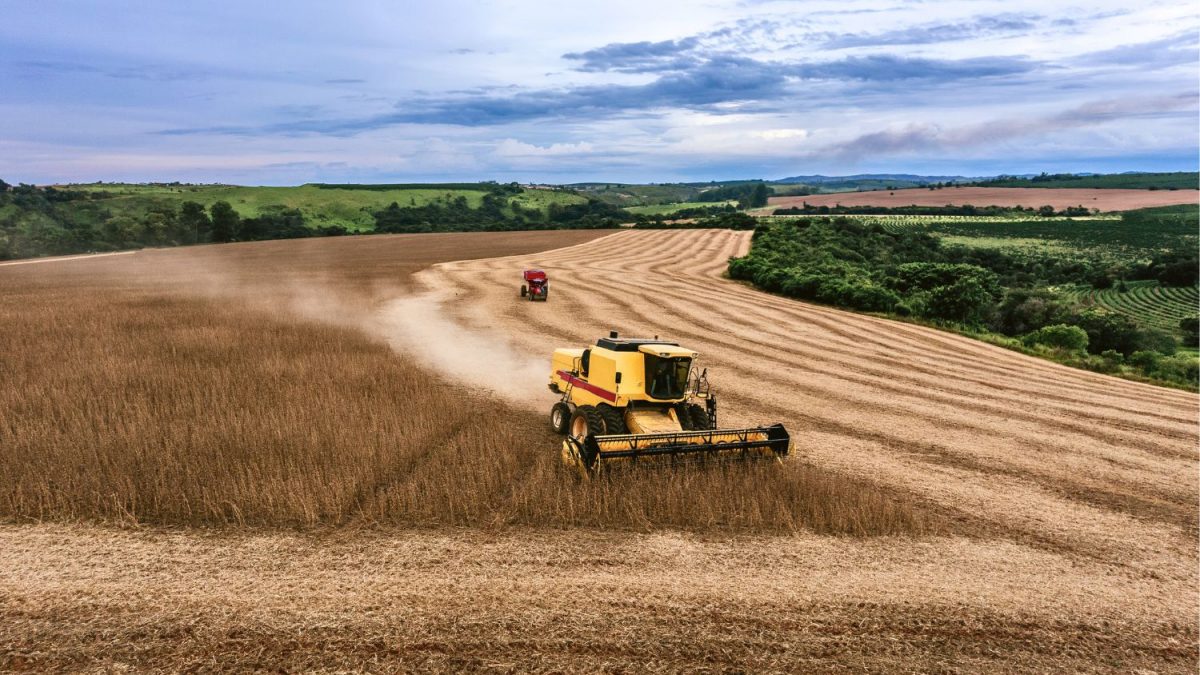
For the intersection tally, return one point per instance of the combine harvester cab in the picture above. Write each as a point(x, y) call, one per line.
point(629, 400)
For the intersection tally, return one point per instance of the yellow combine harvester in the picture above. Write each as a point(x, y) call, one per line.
point(630, 399)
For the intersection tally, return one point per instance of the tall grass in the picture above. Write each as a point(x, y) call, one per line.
point(126, 398)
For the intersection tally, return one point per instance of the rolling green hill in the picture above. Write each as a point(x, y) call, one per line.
point(64, 219)
point(668, 209)
point(322, 205)
point(623, 195)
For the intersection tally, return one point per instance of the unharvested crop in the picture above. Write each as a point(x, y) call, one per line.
point(252, 384)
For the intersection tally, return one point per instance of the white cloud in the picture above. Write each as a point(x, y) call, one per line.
point(90, 99)
point(780, 134)
point(512, 148)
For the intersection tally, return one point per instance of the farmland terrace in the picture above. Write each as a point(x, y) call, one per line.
point(1059, 198)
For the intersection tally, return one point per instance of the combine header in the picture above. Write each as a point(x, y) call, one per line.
point(626, 400)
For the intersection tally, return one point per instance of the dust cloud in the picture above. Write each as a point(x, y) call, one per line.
point(411, 321)
point(417, 325)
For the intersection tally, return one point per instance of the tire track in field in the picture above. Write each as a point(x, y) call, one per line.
point(890, 342)
point(1183, 430)
point(955, 422)
point(846, 370)
point(1125, 402)
point(1130, 438)
point(831, 393)
point(1017, 442)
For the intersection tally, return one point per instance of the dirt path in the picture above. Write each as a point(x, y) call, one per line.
point(64, 258)
point(96, 599)
point(1059, 198)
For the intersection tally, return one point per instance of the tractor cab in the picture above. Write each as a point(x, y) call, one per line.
point(536, 286)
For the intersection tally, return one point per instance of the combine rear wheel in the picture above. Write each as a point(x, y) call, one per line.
point(560, 417)
point(524, 290)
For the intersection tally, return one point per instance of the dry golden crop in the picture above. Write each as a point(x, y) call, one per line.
point(230, 385)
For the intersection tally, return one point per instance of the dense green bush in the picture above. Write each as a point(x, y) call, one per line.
point(1059, 336)
point(841, 262)
point(1191, 331)
point(1023, 310)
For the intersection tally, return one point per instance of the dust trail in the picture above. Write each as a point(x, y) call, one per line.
point(64, 258)
point(418, 325)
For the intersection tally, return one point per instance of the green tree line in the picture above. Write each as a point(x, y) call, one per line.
point(841, 262)
point(748, 195)
point(38, 221)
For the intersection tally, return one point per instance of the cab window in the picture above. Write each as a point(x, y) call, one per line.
point(666, 378)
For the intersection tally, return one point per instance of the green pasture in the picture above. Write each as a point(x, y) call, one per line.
point(350, 207)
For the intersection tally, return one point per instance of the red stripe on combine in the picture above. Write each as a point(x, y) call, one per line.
point(576, 382)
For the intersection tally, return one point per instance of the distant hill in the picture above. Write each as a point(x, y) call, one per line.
point(627, 194)
point(820, 184)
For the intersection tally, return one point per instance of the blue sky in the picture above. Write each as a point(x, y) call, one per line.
point(291, 92)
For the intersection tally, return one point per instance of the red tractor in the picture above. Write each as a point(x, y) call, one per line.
point(536, 286)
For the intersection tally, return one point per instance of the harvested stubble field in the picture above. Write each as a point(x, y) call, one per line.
point(1059, 198)
point(953, 505)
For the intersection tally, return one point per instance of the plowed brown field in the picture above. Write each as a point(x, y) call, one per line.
point(1072, 499)
point(1059, 198)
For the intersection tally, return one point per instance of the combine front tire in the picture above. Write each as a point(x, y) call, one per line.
point(560, 417)
point(614, 420)
point(700, 419)
point(685, 417)
point(524, 290)
point(586, 421)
